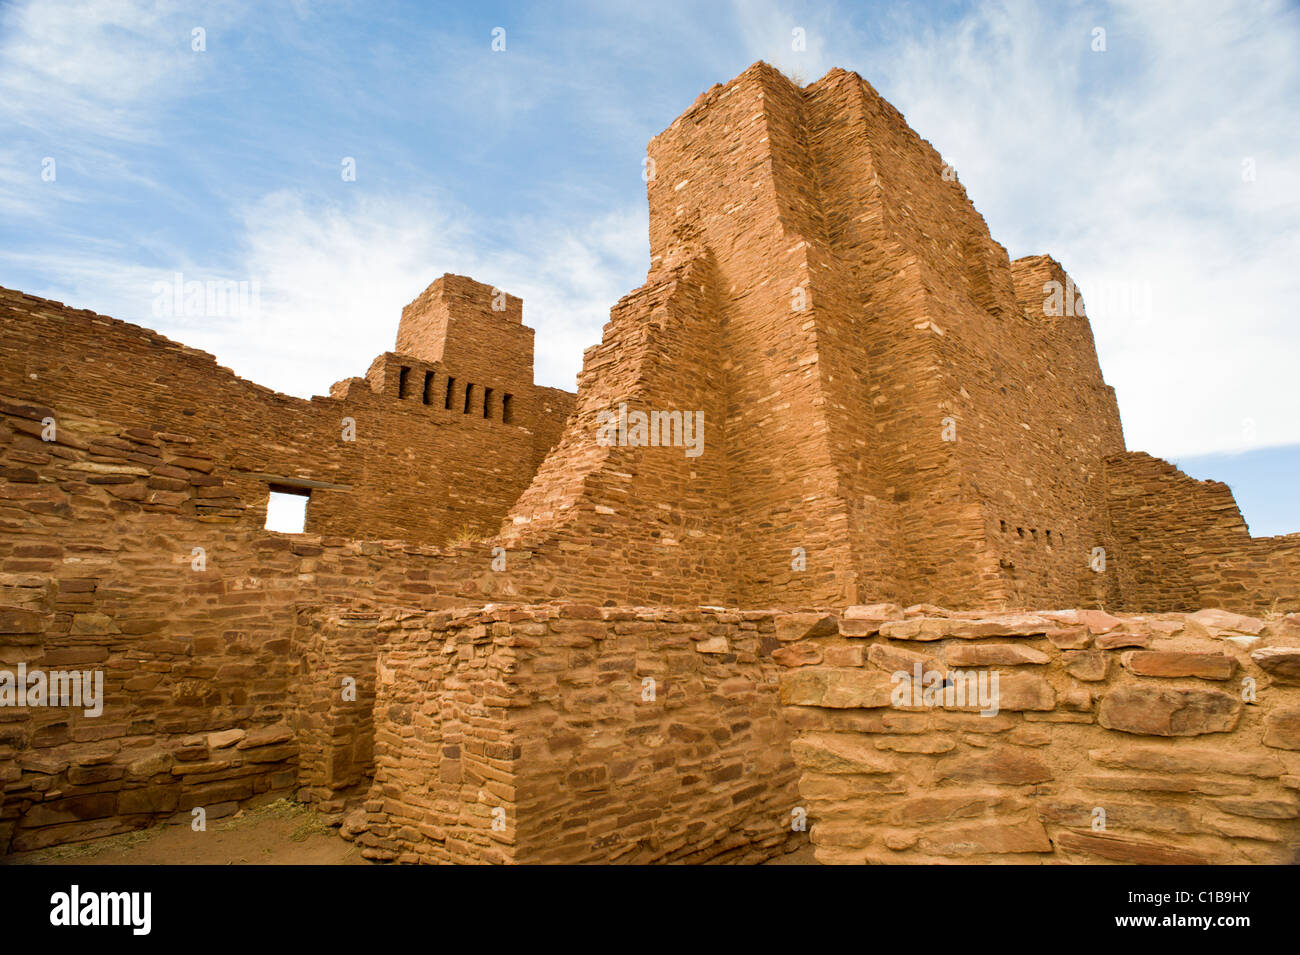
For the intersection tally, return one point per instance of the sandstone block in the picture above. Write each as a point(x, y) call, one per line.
point(1088, 665)
point(150, 764)
point(840, 754)
point(1004, 766)
point(17, 620)
point(993, 837)
point(1166, 711)
point(837, 689)
point(1119, 639)
point(797, 655)
point(1281, 663)
point(944, 805)
point(225, 738)
point(1207, 666)
point(844, 656)
point(1127, 849)
point(800, 626)
point(994, 654)
point(1282, 728)
point(1070, 638)
point(1260, 808)
point(1188, 759)
point(866, 621)
point(1024, 691)
point(1098, 621)
point(1217, 621)
point(895, 659)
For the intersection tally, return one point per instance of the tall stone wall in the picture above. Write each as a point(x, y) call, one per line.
point(332, 687)
point(894, 379)
point(1161, 739)
point(889, 407)
point(882, 406)
point(726, 175)
point(614, 522)
point(566, 733)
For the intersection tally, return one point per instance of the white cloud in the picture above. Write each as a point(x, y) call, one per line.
point(98, 67)
point(332, 278)
point(1126, 166)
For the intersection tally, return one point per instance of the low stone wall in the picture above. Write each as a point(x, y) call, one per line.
point(1162, 739)
point(567, 733)
point(186, 709)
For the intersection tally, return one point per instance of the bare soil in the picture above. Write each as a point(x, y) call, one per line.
point(279, 833)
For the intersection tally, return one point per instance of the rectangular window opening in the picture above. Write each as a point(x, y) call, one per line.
point(487, 402)
point(428, 388)
point(286, 510)
point(403, 382)
point(508, 409)
point(451, 384)
point(469, 398)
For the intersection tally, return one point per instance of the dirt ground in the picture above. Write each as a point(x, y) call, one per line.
point(279, 833)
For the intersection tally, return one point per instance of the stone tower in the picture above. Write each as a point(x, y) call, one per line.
point(890, 410)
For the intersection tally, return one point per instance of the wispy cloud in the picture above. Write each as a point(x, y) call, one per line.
point(96, 67)
point(1127, 165)
point(332, 277)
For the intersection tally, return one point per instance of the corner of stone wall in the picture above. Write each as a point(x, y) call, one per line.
point(564, 733)
point(333, 687)
point(1155, 739)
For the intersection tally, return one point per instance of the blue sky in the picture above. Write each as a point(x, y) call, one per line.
point(522, 168)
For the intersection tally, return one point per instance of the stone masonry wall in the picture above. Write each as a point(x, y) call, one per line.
point(541, 719)
point(727, 173)
point(893, 379)
point(644, 524)
point(1157, 739)
point(424, 466)
point(1182, 543)
point(332, 681)
point(892, 409)
point(121, 554)
point(1261, 574)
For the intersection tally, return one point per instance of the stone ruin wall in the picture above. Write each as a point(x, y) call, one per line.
point(1164, 739)
point(913, 315)
point(415, 471)
point(639, 524)
point(823, 431)
point(100, 569)
point(824, 425)
point(543, 716)
point(1184, 543)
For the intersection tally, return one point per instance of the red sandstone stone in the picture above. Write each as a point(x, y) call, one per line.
point(1207, 666)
